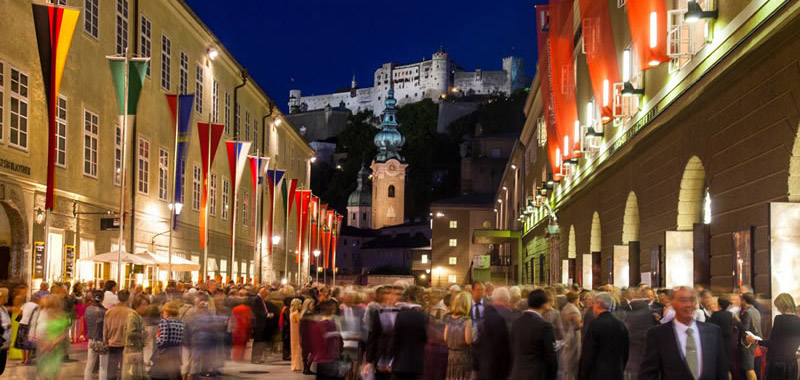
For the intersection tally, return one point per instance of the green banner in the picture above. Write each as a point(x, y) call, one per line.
point(137, 69)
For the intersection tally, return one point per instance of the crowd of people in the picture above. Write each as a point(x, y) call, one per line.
point(401, 331)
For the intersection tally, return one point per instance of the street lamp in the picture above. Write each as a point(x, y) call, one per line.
point(177, 206)
point(316, 255)
point(276, 239)
point(212, 53)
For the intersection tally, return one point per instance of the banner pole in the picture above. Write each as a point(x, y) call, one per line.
point(122, 174)
point(205, 193)
point(173, 173)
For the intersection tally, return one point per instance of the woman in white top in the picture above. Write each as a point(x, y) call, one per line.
point(22, 343)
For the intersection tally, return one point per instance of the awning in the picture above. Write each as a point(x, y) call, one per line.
point(495, 236)
point(114, 256)
point(179, 264)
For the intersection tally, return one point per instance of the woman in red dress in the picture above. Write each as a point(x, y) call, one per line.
point(240, 324)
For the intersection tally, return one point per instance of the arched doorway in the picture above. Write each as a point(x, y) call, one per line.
point(691, 196)
point(13, 235)
point(630, 238)
point(595, 244)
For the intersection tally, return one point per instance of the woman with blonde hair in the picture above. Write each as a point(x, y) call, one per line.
point(305, 325)
point(294, 331)
point(458, 335)
point(784, 340)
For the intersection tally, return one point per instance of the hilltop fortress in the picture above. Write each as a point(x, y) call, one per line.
point(427, 79)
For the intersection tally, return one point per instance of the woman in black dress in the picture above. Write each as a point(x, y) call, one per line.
point(784, 341)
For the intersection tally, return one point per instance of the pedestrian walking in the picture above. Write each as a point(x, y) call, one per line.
point(604, 350)
point(532, 341)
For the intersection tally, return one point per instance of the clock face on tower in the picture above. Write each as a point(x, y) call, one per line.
point(392, 167)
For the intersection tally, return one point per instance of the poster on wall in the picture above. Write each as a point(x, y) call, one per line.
point(742, 257)
point(656, 271)
point(784, 235)
point(679, 259)
point(586, 266)
point(621, 266)
point(69, 262)
point(38, 259)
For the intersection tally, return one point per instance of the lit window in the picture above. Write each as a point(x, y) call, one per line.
point(163, 173)
point(61, 129)
point(227, 113)
point(198, 90)
point(183, 84)
point(166, 59)
point(146, 30)
point(424, 259)
point(453, 242)
point(453, 260)
point(196, 180)
point(225, 192)
point(453, 224)
point(122, 26)
point(451, 278)
point(391, 191)
point(212, 195)
point(215, 101)
point(90, 20)
point(18, 124)
point(144, 166)
point(90, 127)
point(246, 125)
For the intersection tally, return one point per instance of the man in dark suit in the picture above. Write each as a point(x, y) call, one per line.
point(409, 337)
point(493, 349)
point(532, 341)
point(265, 321)
point(605, 346)
point(638, 321)
point(684, 349)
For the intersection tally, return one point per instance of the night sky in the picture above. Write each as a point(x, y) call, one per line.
point(317, 45)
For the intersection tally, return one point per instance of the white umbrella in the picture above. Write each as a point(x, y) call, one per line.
point(179, 264)
point(127, 258)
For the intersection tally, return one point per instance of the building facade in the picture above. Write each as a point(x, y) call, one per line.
point(426, 79)
point(693, 177)
point(185, 57)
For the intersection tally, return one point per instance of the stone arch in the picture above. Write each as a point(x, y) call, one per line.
point(630, 222)
point(595, 242)
point(794, 170)
point(690, 198)
point(572, 251)
point(13, 204)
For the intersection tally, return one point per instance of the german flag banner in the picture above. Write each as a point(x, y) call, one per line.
point(54, 26)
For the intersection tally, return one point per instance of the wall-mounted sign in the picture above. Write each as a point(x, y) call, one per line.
point(481, 262)
point(15, 167)
point(69, 262)
point(38, 259)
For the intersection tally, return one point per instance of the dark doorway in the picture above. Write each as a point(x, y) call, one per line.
point(5, 262)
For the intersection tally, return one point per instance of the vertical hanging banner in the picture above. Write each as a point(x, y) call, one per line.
point(329, 224)
point(288, 196)
point(54, 27)
point(647, 20)
point(180, 107)
point(562, 70)
point(275, 178)
point(209, 136)
point(256, 175)
point(545, 79)
point(337, 231)
point(314, 228)
point(305, 202)
point(601, 54)
point(322, 225)
point(237, 159)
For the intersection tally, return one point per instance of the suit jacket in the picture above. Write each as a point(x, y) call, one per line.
point(724, 320)
point(532, 347)
point(263, 326)
point(493, 347)
point(408, 340)
point(638, 321)
point(382, 321)
point(663, 358)
point(605, 349)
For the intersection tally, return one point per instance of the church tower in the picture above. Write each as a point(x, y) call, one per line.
point(359, 204)
point(388, 170)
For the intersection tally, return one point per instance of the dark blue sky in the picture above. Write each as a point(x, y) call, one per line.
point(317, 45)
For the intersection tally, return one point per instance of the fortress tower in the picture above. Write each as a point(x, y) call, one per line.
point(388, 170)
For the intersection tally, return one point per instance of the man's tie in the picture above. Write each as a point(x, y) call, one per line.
point(691, 353)
point(477, 311)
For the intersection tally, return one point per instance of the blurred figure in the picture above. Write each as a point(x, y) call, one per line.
point(110, 298)
point(26, 317)
point(133, 354)
point(587, 299)
point(436, 347)
point(705, 309)
point(240, 326)
point(784, 341)
point(265, 323)
point(167, 358)
point(5, 329)
point(569, 357)
point(79, 304)
point(327, 343)
point(458, 334)
point(44, 289)
point(115, 326)
point(97, 349)
point(534, 357)
point(51, 337)
point(604, 351)
point(294, 331)
point(639, 320)
point(725, 321)
point(751, 322)
point(202, 335)
point(351, 317)
point(408, 344)
point(306, 326)
point(665, 297)
point(503, 304)
point(382, 321)
point(684, 348)
point(493, 348)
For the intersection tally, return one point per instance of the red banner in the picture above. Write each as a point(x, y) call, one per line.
point(562, 71)
point(601, 54)
point(209, 135)
point(647, 20)
point(314, 227)
point(302, 198)
point(545, 80)
point(338, 231)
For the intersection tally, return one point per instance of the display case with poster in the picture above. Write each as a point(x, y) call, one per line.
point(742, 242)
point(69, 262)
point(38, 260)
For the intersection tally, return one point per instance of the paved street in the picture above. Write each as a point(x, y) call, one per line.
point(273, 369)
